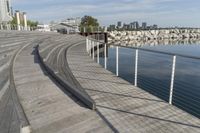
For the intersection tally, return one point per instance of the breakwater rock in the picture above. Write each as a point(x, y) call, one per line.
point(159, 34)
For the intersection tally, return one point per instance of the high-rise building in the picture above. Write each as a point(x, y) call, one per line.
point(137, 25)
point(5, 11)
point(119, 24)
point(112, 27)
point(144, 25)
point(131, 25)
point(134, 25)
point(126, 26)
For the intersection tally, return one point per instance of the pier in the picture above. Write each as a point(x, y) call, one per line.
point(51, 83)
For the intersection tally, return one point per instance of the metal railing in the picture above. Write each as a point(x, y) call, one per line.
point(93, 46)
point(16, 27)
point(92, 29)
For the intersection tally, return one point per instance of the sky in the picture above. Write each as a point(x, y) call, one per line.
point(165, 13)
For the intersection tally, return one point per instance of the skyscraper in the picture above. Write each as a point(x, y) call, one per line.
point(144, 25)
point(134, 25)
point(119, 24)
point(5, 11)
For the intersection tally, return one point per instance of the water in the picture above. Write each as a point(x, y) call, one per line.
point(154, 73)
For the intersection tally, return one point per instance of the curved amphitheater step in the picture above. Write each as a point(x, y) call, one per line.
point(47, 107)
point(11, 113)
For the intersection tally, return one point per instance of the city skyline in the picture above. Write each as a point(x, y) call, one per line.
point(134, 25)
point(165, 13)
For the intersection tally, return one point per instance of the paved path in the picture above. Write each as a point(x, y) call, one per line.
point(125, 107)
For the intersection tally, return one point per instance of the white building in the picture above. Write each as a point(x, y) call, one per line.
point(5, 11)
point(43, 28)
point(72, 22)
point(64, 28)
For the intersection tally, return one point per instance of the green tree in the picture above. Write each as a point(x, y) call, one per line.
point(14, 21)
point(32, 23)
point(89, 23)
point(29, 22)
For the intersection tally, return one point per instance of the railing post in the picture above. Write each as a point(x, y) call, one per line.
point(87, 44)
point(93, 50)
point(117, 61)
point(136, 66)
point(105, 56)
point(172, 79)
point(98, 52)
point(90, 47)
point(1, 26)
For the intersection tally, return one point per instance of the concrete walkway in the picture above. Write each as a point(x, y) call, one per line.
point(125, 107)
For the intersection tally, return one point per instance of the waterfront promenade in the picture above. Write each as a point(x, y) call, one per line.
point(52, 83)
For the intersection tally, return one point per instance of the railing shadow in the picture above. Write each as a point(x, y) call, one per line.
point(100, 80)
point(123, 95)
point(150, 117)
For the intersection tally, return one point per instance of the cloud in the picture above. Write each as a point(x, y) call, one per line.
point(112, 10)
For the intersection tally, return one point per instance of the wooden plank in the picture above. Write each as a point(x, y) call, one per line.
point(48, 108)
point(125, 107)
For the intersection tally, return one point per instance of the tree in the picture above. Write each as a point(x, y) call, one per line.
point(14, 21)
point(29, 22)
point(32, 23)
point(89, 23)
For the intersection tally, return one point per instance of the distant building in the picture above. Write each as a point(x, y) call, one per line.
point(126, 26)
point(43, 28)
point(21, 16)
point(5, 11)
point(64, 28)
point(134, 25)
point(144, 25)
point(119, 24)
point(131, 25)
point(155, 26)
point(112, 27)
point(74, 22)
point(105, 29)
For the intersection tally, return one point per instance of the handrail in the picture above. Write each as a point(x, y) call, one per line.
point(169, 94)
point(148, 50)
point(161, 52)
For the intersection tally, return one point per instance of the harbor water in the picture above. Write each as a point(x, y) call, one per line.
point(155, 70)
